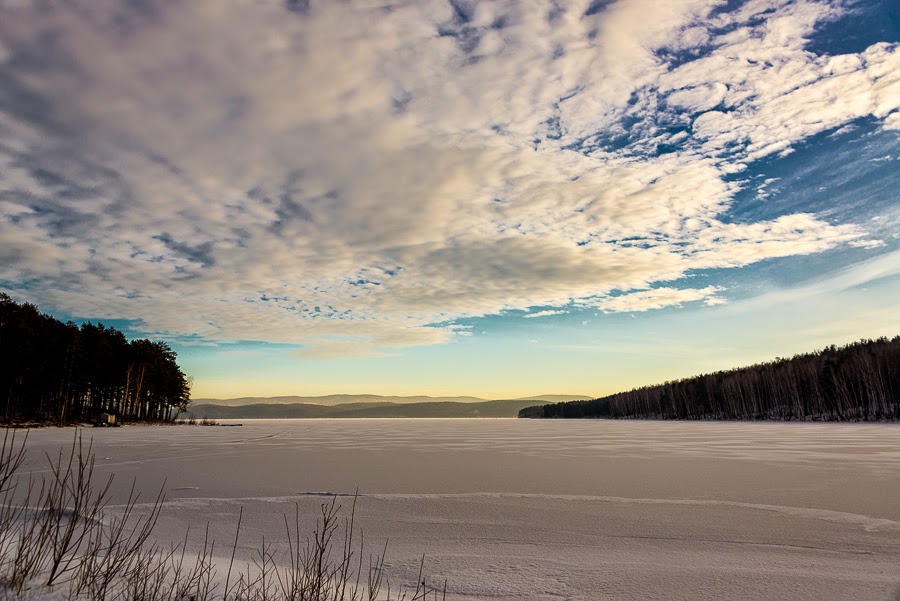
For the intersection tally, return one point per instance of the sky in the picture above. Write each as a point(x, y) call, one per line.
point(452, 197)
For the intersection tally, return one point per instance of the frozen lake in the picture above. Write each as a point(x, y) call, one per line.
point(528, 510)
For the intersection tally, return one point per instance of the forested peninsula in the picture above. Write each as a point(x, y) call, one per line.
point(857, 382)
point(55, 372)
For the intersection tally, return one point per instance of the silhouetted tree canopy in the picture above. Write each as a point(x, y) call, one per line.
point(57, 372)
point(860, 381)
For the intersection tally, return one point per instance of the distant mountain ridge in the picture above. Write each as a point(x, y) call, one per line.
point(343, 399)
point(556, 398)
point(377, 409)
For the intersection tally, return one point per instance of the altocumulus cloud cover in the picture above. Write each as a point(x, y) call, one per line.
point(363, 176)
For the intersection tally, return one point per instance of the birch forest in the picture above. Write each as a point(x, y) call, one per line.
point(857, 382)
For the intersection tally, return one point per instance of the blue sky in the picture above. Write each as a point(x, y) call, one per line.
point(451, 197)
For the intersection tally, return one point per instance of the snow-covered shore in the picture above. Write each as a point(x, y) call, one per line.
point(520, 509)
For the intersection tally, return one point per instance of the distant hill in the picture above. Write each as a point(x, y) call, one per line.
point(344, 399)
point(333, 399)
point(556, 398)
point(503, 408)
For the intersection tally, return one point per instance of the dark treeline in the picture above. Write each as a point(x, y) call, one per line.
point(57, 372)
point(860, 381)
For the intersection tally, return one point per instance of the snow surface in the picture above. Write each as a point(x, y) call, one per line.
point(532, 509)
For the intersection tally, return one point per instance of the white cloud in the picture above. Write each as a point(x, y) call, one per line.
point(869, 244)
point(700, 98)
point(345, 178)
point(778, 93)
point(657, 298)
point(545, 313)
point(892, 121)
point(880, 268)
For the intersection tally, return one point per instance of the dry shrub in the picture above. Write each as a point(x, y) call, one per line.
point(59, 534)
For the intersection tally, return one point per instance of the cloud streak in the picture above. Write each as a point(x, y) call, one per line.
point(347, 175)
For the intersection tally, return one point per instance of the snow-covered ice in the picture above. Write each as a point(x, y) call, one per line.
point(528, 510)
